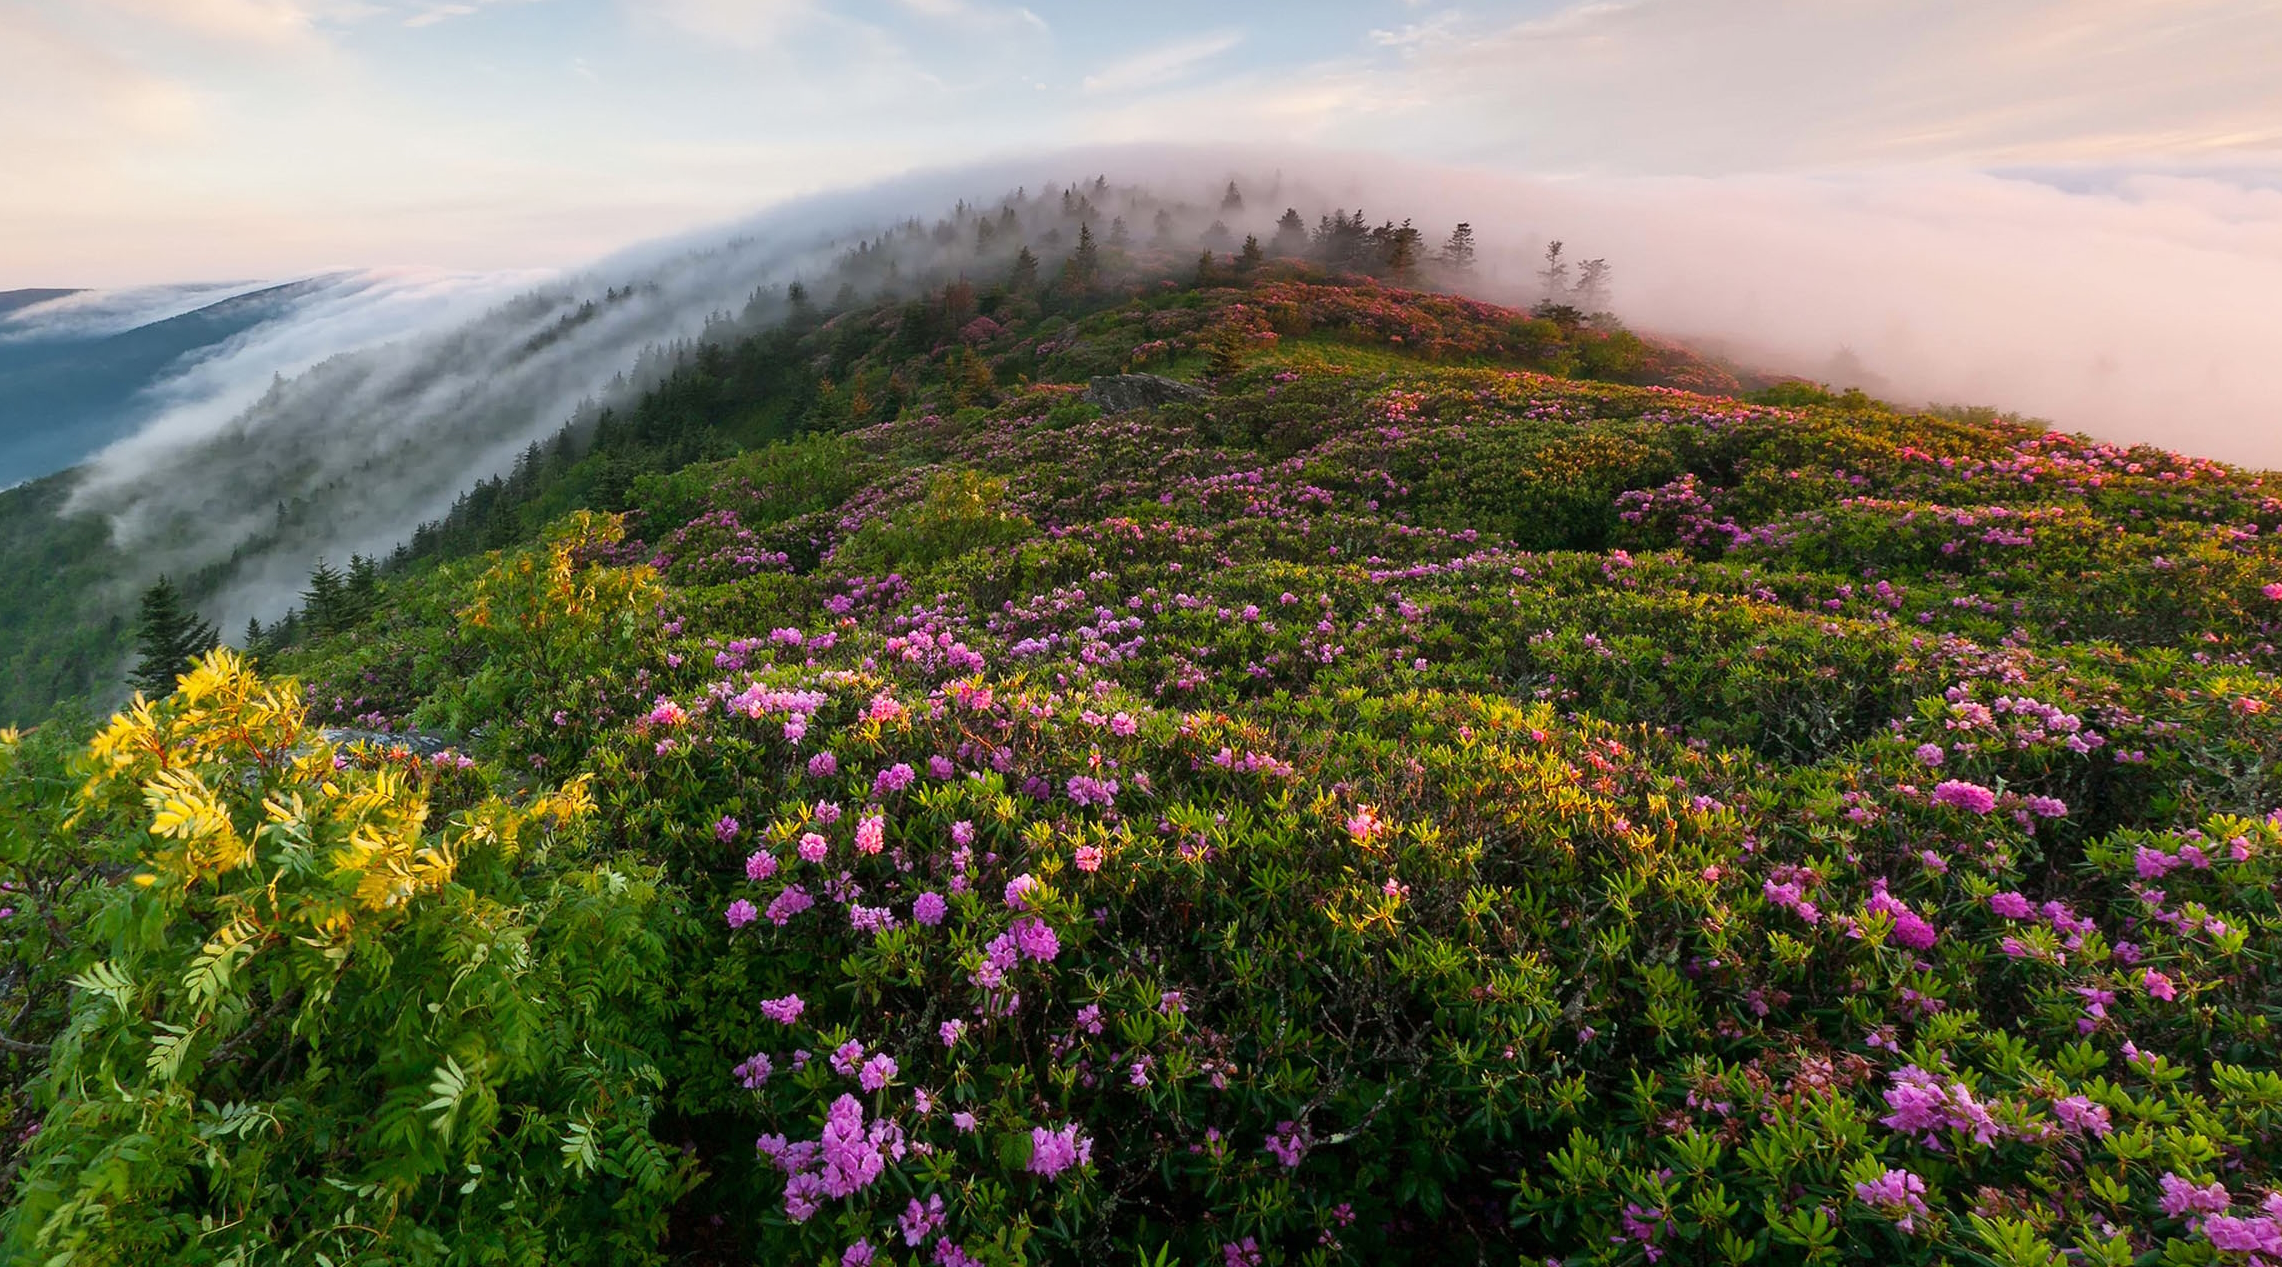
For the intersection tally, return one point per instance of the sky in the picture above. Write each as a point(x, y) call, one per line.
point(152, 141)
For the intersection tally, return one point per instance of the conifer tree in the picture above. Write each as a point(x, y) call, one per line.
point(323, 599)
point(1232, 200)
point(1119, 236)
point(1083, 267)
point(360, 591)
point(1161, 229)
point(1024, 276)
point(1398, 249)
point(1591, 290)
point(1291, 235)
point(1458, 253)
point(1554, 277)
point(1251, 257)
point(168, 636)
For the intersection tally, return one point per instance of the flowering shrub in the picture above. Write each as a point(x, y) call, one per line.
point(1407, 806)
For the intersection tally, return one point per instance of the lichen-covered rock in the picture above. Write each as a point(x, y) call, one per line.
point(1116, 393)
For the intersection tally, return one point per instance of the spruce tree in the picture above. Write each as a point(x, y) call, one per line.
point(1591, 290)
point(168, 636)
point(360, 593)
point(1087, 260)
point(1232, 200)
point(1554, 277)
point(1024, 277)
point(1458, 252)
point(1251, 257)
point(322, 601)
point(1291, 235)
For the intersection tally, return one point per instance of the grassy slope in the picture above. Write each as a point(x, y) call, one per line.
point(1520, 777)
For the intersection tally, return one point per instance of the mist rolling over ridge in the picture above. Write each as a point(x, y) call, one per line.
point(1967, 288)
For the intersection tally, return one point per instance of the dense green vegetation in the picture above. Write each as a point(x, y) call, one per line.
point(1447, 794)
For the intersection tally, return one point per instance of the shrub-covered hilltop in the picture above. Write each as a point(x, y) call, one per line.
point(1420, 799)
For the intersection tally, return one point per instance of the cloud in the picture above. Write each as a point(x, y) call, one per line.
point(739, 23)
point(1161, 65)
point(1731, 85)
point(65, 100)
point(978, 17)
point(262, 23)
point(2136, 305)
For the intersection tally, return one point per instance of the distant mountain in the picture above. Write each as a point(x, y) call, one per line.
point(67, 388)
point(11, 300)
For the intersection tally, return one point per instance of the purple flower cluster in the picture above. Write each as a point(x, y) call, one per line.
point(1897, 1194)
point(1052, 1152)
point(787, 904)
point(1910, 928)
point(1970, 797)
point(847, 1158)
point(1927, 1108)
point(783, 1011)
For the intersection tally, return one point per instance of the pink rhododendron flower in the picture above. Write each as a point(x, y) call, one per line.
point(1970, 797)
point(1052, 1152)
point(787, 904)
point(2181, 1197)
point(1365, 825)
point(741, 913)
point(760, 865)
point(928, 909)
point(877, 1072)
point(754, 1073)
point(783, 1011)
point(871, 834)
point(1897, 1194)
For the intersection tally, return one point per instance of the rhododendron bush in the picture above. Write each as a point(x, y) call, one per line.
point(1404, 806)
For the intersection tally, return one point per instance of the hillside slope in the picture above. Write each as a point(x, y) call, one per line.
point(1410, 803)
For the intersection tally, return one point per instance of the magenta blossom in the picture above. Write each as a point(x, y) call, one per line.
point(787, 904)
point(1897, 1194)
point(741, 913)
point(1018, 890)
point(1036, 940)
point(760, 865)
point(1052, 1152)
point(783, 1011)
point(877, 1072)
point(1970, 797)
point(929, 909)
